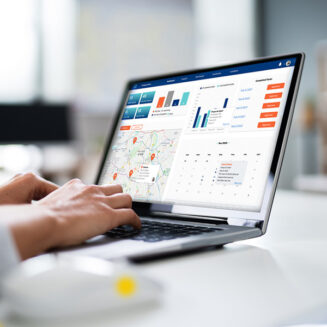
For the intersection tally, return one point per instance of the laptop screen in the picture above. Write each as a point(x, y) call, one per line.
point(201, 139)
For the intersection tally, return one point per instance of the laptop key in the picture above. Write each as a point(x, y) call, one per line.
point(152, 231)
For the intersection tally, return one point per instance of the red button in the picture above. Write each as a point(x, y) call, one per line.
point(275, 86)
point(125, 128)
point(271, 105)
point(266, 124)
point(268, 114)
point(273, 95)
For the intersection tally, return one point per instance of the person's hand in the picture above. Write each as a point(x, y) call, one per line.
point(67, 216)
point(83, 211)
point(24, 188)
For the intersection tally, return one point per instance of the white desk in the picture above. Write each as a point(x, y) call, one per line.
point(261, 282)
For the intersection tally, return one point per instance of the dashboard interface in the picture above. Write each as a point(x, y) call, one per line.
point(201, 139)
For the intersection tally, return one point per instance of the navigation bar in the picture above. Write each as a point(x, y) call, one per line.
point(276, 64)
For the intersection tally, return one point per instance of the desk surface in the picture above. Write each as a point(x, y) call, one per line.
point(260, 282)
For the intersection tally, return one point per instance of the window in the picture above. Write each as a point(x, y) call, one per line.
point(37, 43)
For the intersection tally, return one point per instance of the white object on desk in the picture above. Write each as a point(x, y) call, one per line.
point(279, 279)
point(52, 286)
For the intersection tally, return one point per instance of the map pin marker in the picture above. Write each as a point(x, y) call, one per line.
point(152, 156)
point(130, 173)
point(115, 176)
point(134, 140)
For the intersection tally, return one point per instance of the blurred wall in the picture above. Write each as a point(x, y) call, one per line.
point(219, 37)
point(120, 40)
point(154, 37)
point(292, 26)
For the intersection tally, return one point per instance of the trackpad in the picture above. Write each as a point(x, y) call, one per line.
point(103, 247)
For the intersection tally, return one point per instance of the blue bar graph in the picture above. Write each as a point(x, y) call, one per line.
point(225, 103)
point(175, 103)
point(204, 120)
point(196, 117)
point(207, 118)
point(185, 98)
point(198, 122)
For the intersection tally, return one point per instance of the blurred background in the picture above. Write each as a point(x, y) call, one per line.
point(64, 64)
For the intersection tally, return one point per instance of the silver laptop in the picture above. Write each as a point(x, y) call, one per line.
point(200, 153)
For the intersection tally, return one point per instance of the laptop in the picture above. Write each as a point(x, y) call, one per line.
point(200, 153)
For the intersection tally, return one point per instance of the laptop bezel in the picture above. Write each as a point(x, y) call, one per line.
point(146, 208)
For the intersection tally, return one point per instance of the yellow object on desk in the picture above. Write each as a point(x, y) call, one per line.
point(126, 286)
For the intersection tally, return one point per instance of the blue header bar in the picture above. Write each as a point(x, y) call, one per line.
point(217, 73)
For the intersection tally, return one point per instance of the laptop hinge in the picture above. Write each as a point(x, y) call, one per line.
point(164, 211)
point(209, 219)
point(193, 218)
point(245, 222)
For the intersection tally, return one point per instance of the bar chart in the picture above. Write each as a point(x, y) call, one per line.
point(201, 121)
point(198, 118)
point(170, 101)
point(212, 109)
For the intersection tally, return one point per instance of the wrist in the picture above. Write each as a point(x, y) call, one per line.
point(52, 226)
point(33, 228)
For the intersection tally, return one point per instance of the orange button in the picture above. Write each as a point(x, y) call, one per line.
point(275, 86)
point(125, 128)
point(268, 114)
point(273, 95)
point(266, 124)
point(271, 105)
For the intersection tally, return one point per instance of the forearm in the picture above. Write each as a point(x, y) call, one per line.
point(33, 228)
point(67, 216)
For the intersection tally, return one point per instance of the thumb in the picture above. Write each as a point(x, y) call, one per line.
point(43, 188)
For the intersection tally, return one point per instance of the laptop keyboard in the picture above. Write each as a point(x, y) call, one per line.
point(153, 231)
